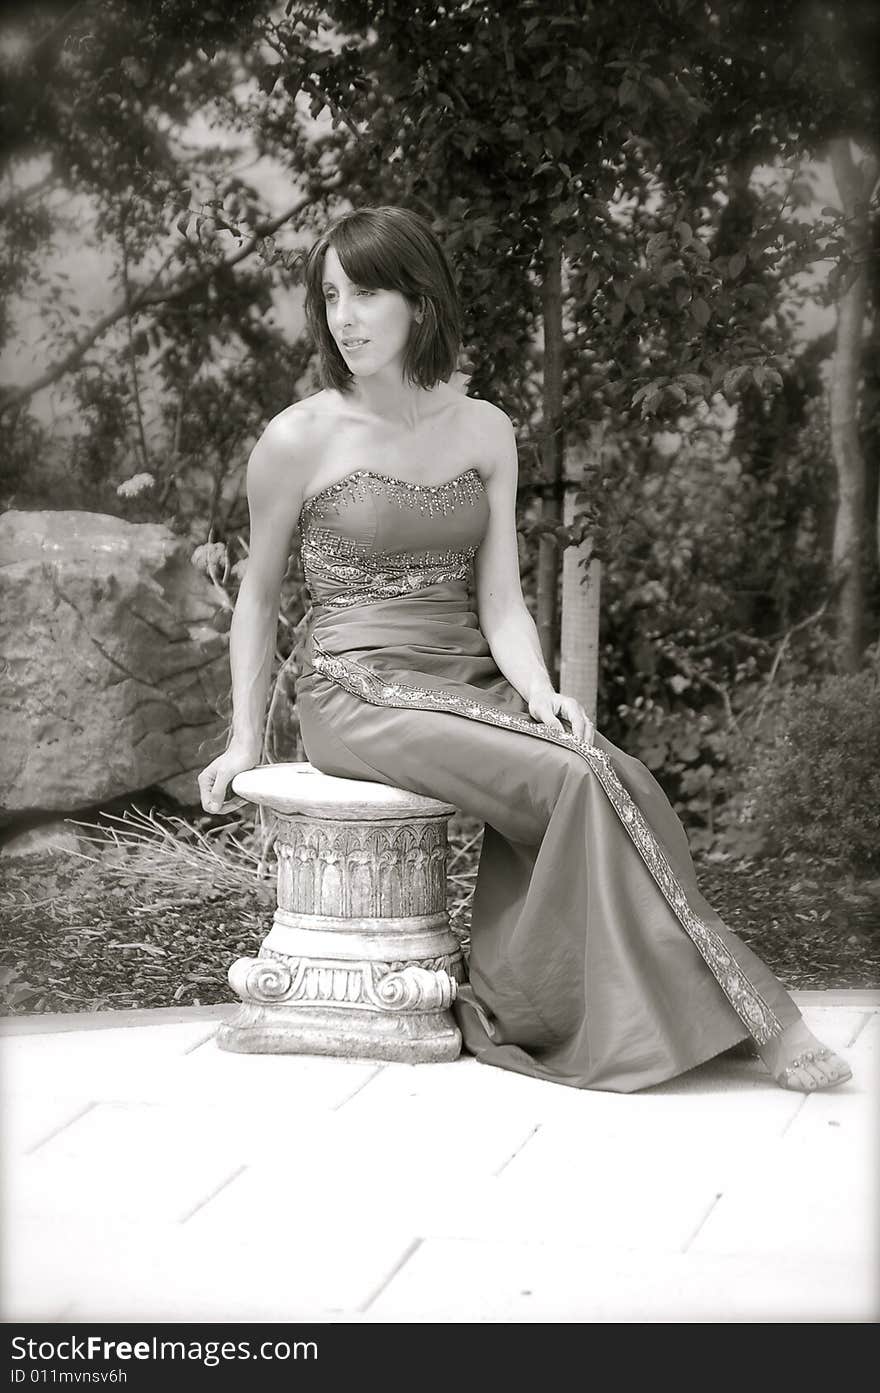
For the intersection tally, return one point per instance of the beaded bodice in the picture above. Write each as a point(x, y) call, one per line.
point(373, 536)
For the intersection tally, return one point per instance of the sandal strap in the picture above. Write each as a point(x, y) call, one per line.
point(808, 1057)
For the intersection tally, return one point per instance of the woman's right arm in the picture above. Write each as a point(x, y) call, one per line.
point(275, 488)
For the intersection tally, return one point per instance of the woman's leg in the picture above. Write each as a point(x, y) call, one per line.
point(584, 968)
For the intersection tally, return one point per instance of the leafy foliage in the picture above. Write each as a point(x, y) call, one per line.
point(512, 125)
point(817, 787)
point(174, 379)
point(711, 565)
point(644, 151)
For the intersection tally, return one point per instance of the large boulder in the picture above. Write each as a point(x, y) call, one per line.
point(113, 669)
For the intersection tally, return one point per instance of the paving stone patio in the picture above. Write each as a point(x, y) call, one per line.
point(148, 1175)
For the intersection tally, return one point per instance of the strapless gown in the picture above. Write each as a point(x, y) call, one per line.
point(595, 961)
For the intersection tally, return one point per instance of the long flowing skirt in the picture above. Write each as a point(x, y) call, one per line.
point(595, 961)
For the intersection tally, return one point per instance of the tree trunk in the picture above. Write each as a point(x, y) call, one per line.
point(552, 449)
point(581, 578)
point(855, 184)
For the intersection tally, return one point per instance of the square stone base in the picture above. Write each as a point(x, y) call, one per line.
point(410, 1037)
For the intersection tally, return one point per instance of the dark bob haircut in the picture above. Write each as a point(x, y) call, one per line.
point(389, 249)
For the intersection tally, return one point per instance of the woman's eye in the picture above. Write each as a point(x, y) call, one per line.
point(365, 292)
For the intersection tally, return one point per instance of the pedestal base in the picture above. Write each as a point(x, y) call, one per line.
point(360, 961)
point(429, 1037)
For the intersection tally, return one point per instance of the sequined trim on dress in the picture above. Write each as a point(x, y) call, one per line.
point(361, 681)
point(369, 575)
point(430, 499)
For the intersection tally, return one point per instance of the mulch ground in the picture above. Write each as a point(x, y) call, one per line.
point(96, 935)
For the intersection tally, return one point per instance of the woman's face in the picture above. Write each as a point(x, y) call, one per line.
point(371, 327)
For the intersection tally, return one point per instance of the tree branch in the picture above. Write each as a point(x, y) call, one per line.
point(781, 650)
point(57, 30)
point(132, 358)
point(145, 298)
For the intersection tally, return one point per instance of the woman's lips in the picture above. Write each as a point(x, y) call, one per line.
point(354, 345)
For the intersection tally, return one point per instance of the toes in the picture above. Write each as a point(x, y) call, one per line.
point(814, 1069)
point(831, 1070)
point(835, 1069)
point(797, 1079)
point(808, 1079)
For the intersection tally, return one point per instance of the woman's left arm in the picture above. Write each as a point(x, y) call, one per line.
point(505, 620)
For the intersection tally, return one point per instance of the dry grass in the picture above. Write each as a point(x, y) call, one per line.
point(166, 852)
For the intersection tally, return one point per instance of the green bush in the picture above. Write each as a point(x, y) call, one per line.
point(816, 786)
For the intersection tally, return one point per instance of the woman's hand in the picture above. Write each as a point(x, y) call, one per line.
point(550, 706)
point(214, 780)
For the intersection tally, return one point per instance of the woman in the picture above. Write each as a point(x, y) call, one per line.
point(595, 961)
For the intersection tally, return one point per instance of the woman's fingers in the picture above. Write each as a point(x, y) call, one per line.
point(216, 777)
point(543, 711)
point(582, 727)
point(212, 787)
point(570, 711)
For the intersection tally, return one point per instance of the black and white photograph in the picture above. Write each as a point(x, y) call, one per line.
point(439, 673)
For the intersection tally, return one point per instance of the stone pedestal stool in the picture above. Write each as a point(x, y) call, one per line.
point(360, 959)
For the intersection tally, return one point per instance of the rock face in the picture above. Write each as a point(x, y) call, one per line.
point(52, 838)
point(113, 674)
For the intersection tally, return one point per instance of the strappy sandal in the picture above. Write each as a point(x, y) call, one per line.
point(785, 1076)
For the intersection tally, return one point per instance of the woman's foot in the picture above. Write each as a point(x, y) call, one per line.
point(797, 1060)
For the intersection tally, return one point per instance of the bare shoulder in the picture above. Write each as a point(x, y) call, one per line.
point(491, 430)
point(488, 419)
point(283, 459)
point(298, 428)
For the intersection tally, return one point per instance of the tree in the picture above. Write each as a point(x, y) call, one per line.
point(516, 123)
point(626, 270)
point(99, 100)
point(592, 186)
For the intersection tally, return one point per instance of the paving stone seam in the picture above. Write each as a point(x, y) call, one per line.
point(523, 1144)
point(62, 1127)
point(792, 1118)
point(218, 1189)
point(859, 1028)
point(358, 1089)
point(402, 1261)
point(709, 1210)
point(198, 1044)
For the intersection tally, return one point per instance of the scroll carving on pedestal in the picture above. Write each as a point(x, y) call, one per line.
point(422, 986)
